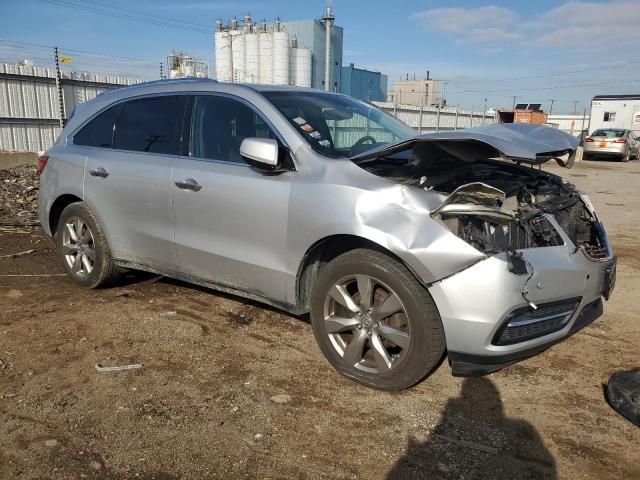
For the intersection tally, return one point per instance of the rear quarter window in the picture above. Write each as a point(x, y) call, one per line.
point(99, 131)
point(151, 125)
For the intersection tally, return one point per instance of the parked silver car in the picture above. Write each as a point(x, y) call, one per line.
point(612, 143)
point(401, 247)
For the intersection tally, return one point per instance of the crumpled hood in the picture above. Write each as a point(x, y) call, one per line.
point(521, 143)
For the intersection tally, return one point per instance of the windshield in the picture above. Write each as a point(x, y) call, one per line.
point(608, 133)
point(337, 125)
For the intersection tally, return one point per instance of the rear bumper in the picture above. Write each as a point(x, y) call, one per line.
point(612, 151)
point(465, 364)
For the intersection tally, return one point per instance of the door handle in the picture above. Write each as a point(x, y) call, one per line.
point(99, 172)
point(188, 184)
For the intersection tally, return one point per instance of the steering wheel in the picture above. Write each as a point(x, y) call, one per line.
point(361, 141)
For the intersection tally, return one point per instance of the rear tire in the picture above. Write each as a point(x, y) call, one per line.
point(397, 333)
point(83, 248)
point(627, 157)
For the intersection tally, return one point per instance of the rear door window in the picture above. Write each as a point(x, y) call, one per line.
point(151, 125)
point(220, 124)
point(99, 131)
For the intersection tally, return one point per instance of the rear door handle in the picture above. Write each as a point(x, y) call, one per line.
point(188, 184)
point(99, 172)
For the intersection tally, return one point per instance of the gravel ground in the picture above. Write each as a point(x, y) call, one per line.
point(232, 389)
point(19, 195)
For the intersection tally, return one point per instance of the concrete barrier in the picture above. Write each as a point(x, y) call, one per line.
point(16, 159)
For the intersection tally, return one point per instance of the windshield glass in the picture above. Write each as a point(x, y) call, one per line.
point(337, 125)
point(608, 133)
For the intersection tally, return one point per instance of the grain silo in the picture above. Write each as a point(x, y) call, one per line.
point(224, 71)
point(266, 54)
point(280, 55)
point(252, 73)
point(302, 76)
point(237, 51)
point(261, 53)
point(293, 60)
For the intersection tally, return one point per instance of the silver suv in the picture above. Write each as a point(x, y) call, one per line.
point(400, 247)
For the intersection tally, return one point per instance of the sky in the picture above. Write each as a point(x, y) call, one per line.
point(537, 50)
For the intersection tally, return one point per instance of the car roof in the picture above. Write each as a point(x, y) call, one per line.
point(200, 84)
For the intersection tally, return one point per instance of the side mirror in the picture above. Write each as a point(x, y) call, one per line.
point(262, 153)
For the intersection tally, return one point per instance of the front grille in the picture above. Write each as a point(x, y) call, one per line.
point(526, 323)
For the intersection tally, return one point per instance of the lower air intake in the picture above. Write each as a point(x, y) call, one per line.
point(526, 323)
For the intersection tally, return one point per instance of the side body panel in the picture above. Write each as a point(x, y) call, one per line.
point(233, 230)
point(63, 175)
point(133, 204)
point(336, 197)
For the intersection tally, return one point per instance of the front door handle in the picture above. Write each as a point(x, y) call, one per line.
point(188, 184)
point(99, 172)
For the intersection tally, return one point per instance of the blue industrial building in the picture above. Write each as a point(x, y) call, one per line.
point(363, 84)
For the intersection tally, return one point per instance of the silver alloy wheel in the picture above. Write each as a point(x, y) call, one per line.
point(367, 324)
point(78, 247)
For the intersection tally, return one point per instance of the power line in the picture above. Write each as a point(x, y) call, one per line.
point(81, 52)
point(140, 19)
point(554, 74)
point(138, 12)
point(557, 87)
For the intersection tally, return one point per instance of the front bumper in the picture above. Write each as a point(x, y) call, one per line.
point(464, 364)
point(475, 303)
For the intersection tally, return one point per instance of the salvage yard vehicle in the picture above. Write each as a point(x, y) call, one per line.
point(401, 247)
point(612, 143)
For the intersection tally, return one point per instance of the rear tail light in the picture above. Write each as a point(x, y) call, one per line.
point(620, 140)
point(588, 139)
point(42, 162)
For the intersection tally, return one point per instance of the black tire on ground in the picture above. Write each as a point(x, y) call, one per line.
point(427, 339)
point(627, 157)
point(104, 272)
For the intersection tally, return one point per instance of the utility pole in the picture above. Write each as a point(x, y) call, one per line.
point(484, 112)
point(575, 106)
point(514, 102)
point(59, 86)
point(552, 100)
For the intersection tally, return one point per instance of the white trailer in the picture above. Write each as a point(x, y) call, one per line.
point(615, 111)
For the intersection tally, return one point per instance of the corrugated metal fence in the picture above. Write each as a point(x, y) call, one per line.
point(29, 105)
point(434, 119)
point(30, 112)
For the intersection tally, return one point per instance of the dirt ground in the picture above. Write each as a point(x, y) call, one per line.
point(231, 389)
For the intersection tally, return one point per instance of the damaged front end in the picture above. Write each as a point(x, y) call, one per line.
point(547, 260)
point(533, 212)
point(494, 205)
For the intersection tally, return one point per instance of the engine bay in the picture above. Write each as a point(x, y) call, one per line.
point(497, 206)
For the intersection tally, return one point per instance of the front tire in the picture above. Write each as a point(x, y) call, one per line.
point(83, 247)
point(374, 322)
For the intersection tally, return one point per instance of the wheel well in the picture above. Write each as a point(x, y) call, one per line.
point(321, 253)
point(62, 202)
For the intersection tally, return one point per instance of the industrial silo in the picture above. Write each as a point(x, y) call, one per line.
point(280, 55)
point(303, 67)
point(237, 51)
point(266, 54)
point(251, 42)
point(223, 54)
point(293, 60)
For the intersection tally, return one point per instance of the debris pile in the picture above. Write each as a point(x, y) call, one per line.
point(19, 195)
